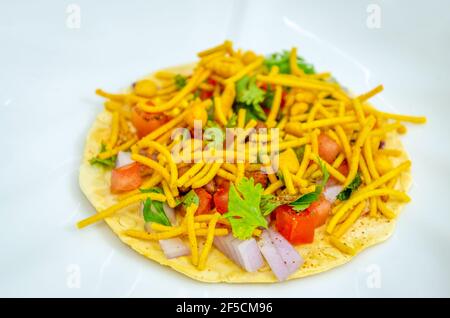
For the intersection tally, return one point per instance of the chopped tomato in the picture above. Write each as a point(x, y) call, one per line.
point(126, 178)
point(296, 227)
point(212, 82)
point(221, 198)
point(320, 211)
point(205, 94)
point(283, 99)
point(328, 148)
point(258, 177)
point(204, 206)
point(145, 122)
point(343, 168)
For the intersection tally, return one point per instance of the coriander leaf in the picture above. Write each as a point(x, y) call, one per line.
point(153, 211)
point(282, 61)
point(248, 93)
point(244, 213)
point(347, 191)
point(304, 201)
point(108, 162)
point(268, 204)
point(190, 198)
point(180, 81)
point(270, 95)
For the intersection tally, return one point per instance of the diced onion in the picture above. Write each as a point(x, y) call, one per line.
point(174, 247)
point(281, 256)
point(123, 159)
point(170, 213)
point(331, 192)
point(244, 253)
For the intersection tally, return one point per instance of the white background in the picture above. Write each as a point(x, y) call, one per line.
point(48, 74)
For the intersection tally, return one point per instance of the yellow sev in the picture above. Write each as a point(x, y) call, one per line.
point(209, 241)
point(190, 211)
point(114, 208)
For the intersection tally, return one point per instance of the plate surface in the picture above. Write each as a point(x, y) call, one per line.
point(51, 63)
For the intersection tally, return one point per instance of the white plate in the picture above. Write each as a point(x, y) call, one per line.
point(47, 103)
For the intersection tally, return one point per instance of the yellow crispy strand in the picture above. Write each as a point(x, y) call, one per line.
point(339, 159)
point(370, 93)
point(339, 176)
point(222, 47)
point(199, 175)
point(152, 164)
point(389, 127)
point(297, 129)
point(208, 177)
point(344, 248)
point(358, 110)
point(163, 150)
point(114, 208)
point(295, 82)
point(373, 207)
point(273, 187)
point(369, 159)
point(209, 241)
point(190, 173)
point(155, 236)
point(354, 215)
point(314, 143)
point(114, 131)
point(190, 211)
point(230, 167)
point(170, 199)
point(271, 118)
point(358, 197)
point(294, 143)
point(305, 161)
point(364, 170)
point(293, 63)
point(354, 162)
point(116, 150)
point(245, 70)
point(390, 152)
point(385, 210)
point(226, 175)
point(241, 118)
point(218, 111)
point(411, 119)
point(288, 180)
point(192, 83)
point(302, 183)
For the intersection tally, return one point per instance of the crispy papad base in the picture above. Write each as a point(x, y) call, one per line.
point(319, 256)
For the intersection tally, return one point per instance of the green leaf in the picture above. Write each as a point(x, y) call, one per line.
point(270, 95)
point(190, 198)
point(107, 163)
point(347, 191)
point(304, 201)
point(180, 81)
point(282, 61)
point(300, 151)
point(248, 93)
point(244, 212)
point(268, 204)
point(153, 211)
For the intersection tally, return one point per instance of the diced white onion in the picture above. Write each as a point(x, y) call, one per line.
point(170, 213)
point(281, 256)
point(174, 247)
point(244, 253)
point(123, 159)
point(331, 192)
